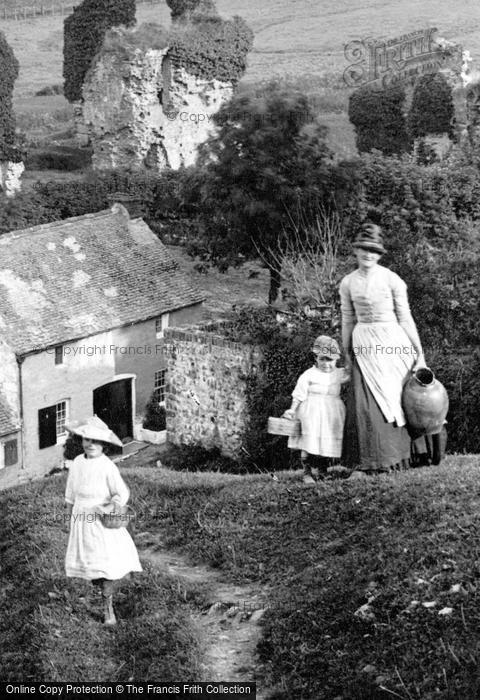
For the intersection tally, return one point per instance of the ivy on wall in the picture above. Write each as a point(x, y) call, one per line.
point(9, 68)
point(206, 45)
point(84, 31)
point(184, 9)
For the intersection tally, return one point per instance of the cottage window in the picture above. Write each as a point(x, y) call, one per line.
point(59, 355)
point(51, 424)
point(159, 386)
point(160, 324)
point(10, 452)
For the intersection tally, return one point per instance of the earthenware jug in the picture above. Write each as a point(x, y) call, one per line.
point(425, 402)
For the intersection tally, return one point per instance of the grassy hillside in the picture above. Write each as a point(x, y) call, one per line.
point(292, 37)
point(373, 584)
point(300, 42)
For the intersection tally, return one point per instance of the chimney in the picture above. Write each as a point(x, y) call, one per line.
point(135, 204)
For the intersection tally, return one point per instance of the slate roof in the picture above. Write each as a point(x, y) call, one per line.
point(73, 278)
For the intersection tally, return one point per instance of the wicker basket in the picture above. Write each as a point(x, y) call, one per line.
point(121, 516)
point(284, 426)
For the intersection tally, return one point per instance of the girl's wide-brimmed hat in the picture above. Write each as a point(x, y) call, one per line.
point(324, 345)
point(95, 429)
point(370, 237)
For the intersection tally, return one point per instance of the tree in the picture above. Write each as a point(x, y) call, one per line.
point(267, 158)
point(432, 110)
point(378, 118)
point(84, 31)
point(9, 71)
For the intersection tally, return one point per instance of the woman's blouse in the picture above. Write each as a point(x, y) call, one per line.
point(376, 296)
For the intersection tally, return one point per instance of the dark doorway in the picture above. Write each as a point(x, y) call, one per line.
point(113, 404)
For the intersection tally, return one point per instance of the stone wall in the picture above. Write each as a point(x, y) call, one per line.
point(206, 388)
point(146, 113)
point(10, 173)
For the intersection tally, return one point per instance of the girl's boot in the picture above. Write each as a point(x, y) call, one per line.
point(307, 469)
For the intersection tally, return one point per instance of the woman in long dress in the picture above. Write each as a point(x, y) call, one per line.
point(382, 347)
point(95, 552)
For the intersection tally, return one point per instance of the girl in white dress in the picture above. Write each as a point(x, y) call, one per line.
point(94, 483)
point(316, 402)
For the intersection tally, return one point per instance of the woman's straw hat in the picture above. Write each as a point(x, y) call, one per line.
point(370, 237)
point(324, 345)
point(95, 429)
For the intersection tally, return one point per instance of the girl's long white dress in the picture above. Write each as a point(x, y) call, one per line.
point(321, 412)
point(95, 551)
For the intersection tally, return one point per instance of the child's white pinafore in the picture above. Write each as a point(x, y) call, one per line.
point(95, 551)
point(321, 412)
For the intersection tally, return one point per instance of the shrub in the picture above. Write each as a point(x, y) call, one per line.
point(196, 458)
point(56, 89)
point(9, 70)
point(432, 110)
point(73, 446)
point(84, 31)
point(155, 417)
point(378, 119)
point(67, 159)
point(165, 196)
point(286, 354)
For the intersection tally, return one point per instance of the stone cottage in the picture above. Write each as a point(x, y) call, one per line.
point(84, 304)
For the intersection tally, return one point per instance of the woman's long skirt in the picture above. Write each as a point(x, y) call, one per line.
point(369, 442)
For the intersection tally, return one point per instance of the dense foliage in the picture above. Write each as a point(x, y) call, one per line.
point(286, 353)
point(165, 197)
point(9, 71)
point(432, 110)
point(212, 48)
point(268, 156)
point(84, 31)
point(155, 416)
point(377, 115)
point(183, 9)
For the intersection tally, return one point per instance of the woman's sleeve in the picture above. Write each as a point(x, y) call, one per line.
point(346, 304)
point(400, 299)
point(119, 491)
point(301, 388)
point(69, 488)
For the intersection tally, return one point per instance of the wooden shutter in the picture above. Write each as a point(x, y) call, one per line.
point(47, 427)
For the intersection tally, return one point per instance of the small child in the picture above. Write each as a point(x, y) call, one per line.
point(316, 402)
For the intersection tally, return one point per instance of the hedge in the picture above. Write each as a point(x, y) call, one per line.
point(432, 110)
point(378, 118)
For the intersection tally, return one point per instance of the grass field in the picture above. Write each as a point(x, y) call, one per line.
point(373, 584)
point(298, 41)
point(293, 38)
